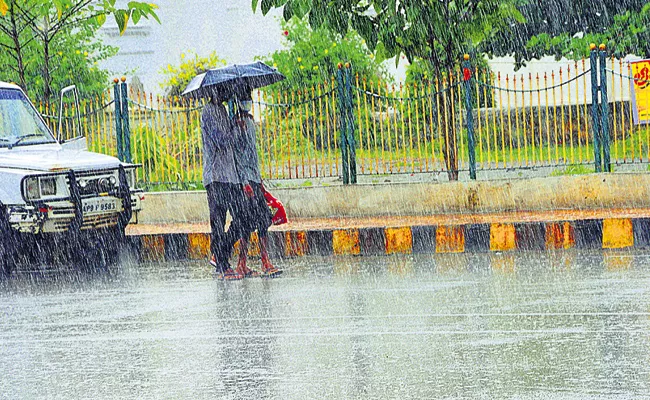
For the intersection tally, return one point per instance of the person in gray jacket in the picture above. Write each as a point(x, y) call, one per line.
point(223, 182)
point(257, 215)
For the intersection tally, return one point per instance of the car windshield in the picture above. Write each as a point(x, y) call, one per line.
point(20, 123)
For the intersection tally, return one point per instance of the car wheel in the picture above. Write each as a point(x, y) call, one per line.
point(7, 245)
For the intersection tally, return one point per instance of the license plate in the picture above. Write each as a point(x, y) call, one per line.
point(99, 206)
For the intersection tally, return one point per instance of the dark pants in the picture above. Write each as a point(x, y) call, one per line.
point(224, 197)
point(257, 216)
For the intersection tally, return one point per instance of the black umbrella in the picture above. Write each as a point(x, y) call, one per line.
point(232, 78)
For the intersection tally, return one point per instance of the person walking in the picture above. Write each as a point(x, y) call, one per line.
point(257, 215)
point(222, 180)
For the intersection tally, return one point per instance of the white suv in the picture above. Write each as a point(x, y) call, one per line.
point(57, 196)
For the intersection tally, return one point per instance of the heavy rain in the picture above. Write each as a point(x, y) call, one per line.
point(304, 199)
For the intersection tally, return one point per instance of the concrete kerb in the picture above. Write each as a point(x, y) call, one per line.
point(540, 195)
point(611, 234)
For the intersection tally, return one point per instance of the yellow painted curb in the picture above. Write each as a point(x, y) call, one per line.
point(153, 248)
point(295, 243)
point(559, 235)
point(617, 233)
point(450, 239)
point(399, 240)
point(254, 245)
point(346, 242)
point(502, 237)
point(199, 246)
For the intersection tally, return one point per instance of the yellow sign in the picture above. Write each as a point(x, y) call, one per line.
point(641, 91)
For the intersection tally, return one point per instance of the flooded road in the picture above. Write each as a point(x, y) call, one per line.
point(534, 325)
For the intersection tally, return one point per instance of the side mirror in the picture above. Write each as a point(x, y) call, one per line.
point(75, 93)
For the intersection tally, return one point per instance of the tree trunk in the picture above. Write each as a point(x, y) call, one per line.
point(445, 110)
point(47, 80)
point(18, 47)
point(450, 147)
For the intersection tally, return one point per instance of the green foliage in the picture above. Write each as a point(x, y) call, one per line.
point(438, 31)
point(76, 54)
point(178, 77)
point(566, 28)
point(629, 33)
point(48, 44)
point(312, 56)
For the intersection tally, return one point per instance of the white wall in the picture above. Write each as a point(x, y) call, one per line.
point(574, 93)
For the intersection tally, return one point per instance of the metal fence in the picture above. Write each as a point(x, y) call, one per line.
point(468, 120)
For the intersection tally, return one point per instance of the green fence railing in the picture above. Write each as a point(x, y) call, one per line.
point(467, 121)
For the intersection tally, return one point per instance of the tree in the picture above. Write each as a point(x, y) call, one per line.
point(27, 21)
point(311, 56)
point(566, 27)
point(178, 77)
point(628, 33)
point(437, 31)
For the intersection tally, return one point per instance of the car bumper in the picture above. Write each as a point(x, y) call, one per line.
point(59, 216)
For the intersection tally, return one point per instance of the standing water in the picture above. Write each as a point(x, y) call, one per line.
point(534, 325)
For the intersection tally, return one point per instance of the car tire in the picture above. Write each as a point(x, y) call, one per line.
point(7, 244)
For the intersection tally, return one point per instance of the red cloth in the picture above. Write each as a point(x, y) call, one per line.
point(279, 214)
point(467, 74)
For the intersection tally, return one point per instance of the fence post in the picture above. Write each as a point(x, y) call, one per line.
point(342, 116)
point(467, 82)
point(126, 128)
point(595, 126)
point(118, 119)
point(604, 110)
point(349, 112)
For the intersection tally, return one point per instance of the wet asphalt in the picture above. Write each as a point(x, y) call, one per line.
point(562, 325)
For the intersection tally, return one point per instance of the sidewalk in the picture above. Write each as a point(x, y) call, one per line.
point(447, 233)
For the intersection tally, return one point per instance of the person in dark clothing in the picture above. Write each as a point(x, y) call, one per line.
point(223, 182)
point(257, 215)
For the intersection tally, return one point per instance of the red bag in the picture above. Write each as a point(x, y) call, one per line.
point(279, 214)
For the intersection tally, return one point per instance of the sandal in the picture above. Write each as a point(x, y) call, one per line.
point(251, 273)
point(230, 275)
point(271, 272)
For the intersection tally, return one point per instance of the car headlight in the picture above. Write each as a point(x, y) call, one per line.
point(32, 191)
point(48, 186)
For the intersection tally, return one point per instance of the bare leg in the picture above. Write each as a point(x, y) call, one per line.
point(243, 255)
point(264, 252)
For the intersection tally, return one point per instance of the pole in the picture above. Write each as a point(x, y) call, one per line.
point(126, 128)
point(118, 119)
point(593, 60)
point(349, 111)
point(604, 110)
point(467, 78)
point(342, 116)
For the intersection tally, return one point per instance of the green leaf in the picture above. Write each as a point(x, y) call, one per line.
point(254, 5)
point(122, 19)
point(136, 14)
point(287, 10)
point(301, 7)
point(101, 19)
point(266, 6)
